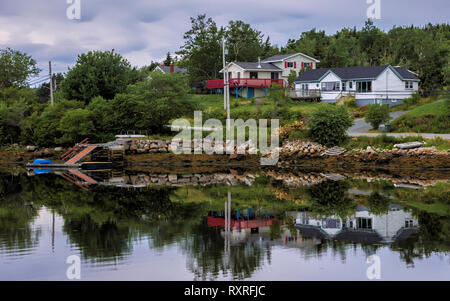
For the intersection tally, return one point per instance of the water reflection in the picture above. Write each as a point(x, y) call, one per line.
point(233, 231)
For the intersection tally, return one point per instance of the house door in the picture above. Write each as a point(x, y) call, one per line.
point(250, 92)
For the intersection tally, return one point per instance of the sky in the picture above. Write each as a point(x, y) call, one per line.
point(145, 30)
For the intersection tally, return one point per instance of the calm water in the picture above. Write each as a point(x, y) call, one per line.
point(279, 227)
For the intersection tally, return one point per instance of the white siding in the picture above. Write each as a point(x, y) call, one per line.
point(389, 81)
point(297, 59)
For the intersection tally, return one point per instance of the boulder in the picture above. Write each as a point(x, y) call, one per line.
point(409, 145)
point(30, 148)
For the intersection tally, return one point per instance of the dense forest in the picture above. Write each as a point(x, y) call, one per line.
point(102, 94)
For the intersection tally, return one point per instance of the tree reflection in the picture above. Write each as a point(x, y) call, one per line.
point(331, 198)
point(16, 216)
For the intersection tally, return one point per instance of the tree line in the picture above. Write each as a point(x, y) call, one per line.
point(424, 50)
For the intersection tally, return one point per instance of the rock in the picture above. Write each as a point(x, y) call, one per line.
point(172, 178)
point(30, 148)
point(58, 149)
point(46, 151)
point(409, 145)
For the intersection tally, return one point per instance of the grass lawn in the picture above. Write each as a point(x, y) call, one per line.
point(433, 117)
point(212, 106)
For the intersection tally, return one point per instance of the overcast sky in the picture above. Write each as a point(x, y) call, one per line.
point(144, 30)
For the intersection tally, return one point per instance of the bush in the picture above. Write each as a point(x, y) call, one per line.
point(328, 125)
point(377, 114)
point(413, 100)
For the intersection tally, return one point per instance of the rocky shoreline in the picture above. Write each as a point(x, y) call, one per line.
point(295, 153)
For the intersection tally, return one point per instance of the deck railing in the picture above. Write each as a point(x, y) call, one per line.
point(305, 93)
point(244, 82)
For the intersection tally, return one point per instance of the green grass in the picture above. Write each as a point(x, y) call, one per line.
point(432, 117)
point(212, 107)
point(387, 142)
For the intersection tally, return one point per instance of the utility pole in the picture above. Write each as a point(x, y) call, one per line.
point(226, 85)
point(51, 81)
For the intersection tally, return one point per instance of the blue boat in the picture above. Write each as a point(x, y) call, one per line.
point(42, 161)
point(39, 171)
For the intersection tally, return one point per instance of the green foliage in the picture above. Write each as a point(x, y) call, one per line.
point(75, 126)
point(432, 117)
point(10, 118)
point(328, 125)
point(331, 198)
point(244, 43)
point(15, 68)
point(202, 49)
point(424, 50)
point(168, 60)
point(98, 73)
point(44, 129)
point(377, 114)
point(413, 100)
point(292, 77)
point(378, 203)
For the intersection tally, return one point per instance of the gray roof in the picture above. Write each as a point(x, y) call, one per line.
point(350, 73)
point(176, 69)
point(280, 57)
point(277, 57)
point(312, 231)
point(359, 236)
point(254, 66)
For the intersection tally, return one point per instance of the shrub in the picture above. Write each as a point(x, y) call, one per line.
point(351, 102)
point(413, 100)
point(328, 125)
point(377, 114)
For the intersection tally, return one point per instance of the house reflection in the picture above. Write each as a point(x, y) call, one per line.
point(362, 227)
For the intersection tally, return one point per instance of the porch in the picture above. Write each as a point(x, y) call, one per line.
point(306, 94)
point(239, 84)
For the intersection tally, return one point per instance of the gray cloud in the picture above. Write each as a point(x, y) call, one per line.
point(143, 30)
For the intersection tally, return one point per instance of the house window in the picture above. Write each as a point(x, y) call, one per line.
point(409, 223)
point(306, 65)
point(330, 86)
point(253, 74)
point(350, 85)
point(344, 86)
point(239, 75)
point(363, 223)
point(364, 87)
point(274, 75)
point(290, 64)
point(409, 85)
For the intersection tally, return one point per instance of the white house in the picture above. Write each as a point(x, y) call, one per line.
point(372, 84)
point(251, 79)
point(363, 226)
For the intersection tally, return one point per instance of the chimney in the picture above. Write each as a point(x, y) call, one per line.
point(259, 62)
point(171, 68)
